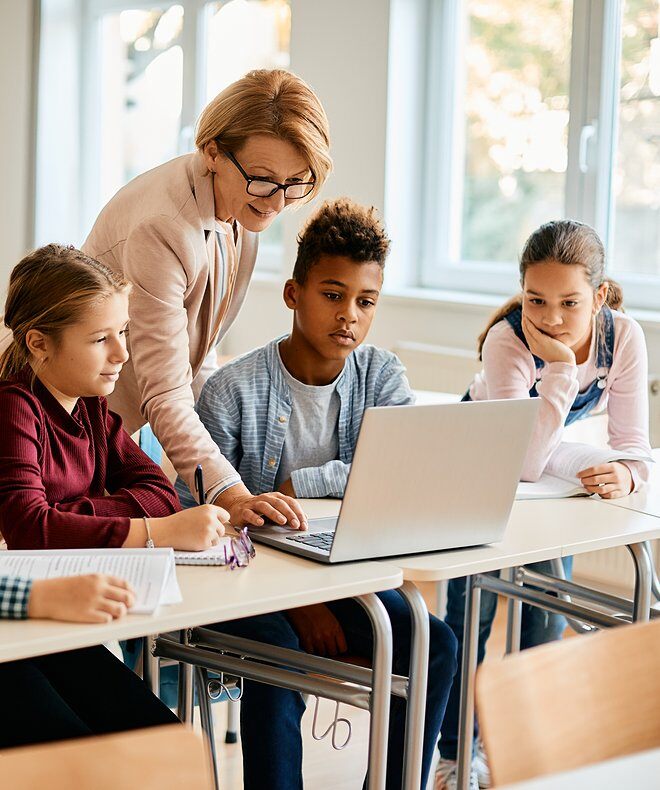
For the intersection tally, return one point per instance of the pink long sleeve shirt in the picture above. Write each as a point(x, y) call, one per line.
point(509, 372)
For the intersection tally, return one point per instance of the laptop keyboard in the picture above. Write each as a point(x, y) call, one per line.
point(319, 540)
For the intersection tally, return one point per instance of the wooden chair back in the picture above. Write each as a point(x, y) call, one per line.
point(159, 758)
point(572, 703)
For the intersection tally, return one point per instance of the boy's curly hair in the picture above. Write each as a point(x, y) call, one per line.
point(341, 227)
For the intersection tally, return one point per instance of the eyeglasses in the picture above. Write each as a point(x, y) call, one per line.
point(265, 187)
point(242, 551)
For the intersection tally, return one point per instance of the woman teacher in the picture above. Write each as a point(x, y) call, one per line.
point(186, 234)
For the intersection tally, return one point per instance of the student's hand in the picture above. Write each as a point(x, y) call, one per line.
point(95, 598)
point(193, 529)
point(545, 347)
point(609, 481)
point(318, 630)
point(246, 509)
point(287, 488)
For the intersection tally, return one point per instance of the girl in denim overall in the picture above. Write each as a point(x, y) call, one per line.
point(565, 341)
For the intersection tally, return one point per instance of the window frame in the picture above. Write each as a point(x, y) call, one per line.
point(592, 148)
point(87, 97)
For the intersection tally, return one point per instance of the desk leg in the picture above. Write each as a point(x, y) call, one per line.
point(185, 703)
point(150, 665)
point(417, 680)
point(468, 671)
point(514, 613)
point(643, 580)
point(655, 582)
point(206, 716)
point(381, 689)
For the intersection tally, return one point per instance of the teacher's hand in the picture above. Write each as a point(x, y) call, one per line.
point(246, 509)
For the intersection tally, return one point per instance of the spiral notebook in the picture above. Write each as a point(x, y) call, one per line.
point(216, 555)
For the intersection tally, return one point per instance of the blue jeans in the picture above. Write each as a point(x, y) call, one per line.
point(270, 716)
point(537, 628)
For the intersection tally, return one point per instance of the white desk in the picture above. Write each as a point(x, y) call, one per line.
point(538, 530)
point(640, 771)
point(272, 582)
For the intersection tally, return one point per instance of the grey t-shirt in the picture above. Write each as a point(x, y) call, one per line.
point(311, 436)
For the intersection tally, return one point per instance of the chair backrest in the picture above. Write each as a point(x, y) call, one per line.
point(580, 701)
point(159, 758)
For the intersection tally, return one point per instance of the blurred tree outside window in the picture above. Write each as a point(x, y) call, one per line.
point(636, 182)
point(516, 123)
point(146, 72)
point(526, 151)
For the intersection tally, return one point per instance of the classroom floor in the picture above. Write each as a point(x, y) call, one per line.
point(324, 768)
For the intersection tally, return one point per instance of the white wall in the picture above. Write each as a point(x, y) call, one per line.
point(16, 144)
point(341, 49)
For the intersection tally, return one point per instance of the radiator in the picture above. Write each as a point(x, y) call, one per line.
point(446, 369)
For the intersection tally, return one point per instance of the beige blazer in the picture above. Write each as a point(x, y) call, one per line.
point(159, 230)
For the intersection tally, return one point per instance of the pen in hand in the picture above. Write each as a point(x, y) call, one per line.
point(199, 485)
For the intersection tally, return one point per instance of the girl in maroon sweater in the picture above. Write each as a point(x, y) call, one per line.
point(70, 476)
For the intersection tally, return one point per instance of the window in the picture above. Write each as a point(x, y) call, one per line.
point(635, 218)
point(134, 119)
point(146, 70)
point(531, 116)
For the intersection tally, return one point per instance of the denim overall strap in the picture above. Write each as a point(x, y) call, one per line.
point(585, 401)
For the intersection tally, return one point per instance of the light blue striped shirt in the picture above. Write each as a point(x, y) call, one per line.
point(246, 406)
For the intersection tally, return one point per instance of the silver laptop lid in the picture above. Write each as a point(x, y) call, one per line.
point(427, 478)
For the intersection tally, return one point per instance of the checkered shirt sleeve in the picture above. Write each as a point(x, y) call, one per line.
point(14, 595)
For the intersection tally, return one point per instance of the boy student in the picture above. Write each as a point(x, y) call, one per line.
point(287, 416)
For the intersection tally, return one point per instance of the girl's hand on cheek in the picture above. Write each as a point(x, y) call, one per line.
point(547, 348)
point(609, 481)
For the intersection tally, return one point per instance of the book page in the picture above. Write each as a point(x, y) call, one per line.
point(550, 487)
point(146, 570)
point(572, 457)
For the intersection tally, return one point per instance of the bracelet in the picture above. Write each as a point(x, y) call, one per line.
point(150, 543)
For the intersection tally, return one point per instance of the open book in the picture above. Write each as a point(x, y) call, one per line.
point(560, 476)
point(150, 572)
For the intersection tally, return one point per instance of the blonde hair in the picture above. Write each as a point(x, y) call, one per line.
point(572, 244)
point(49, 290)
point(275, 103)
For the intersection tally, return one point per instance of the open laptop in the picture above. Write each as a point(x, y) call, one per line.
point(423, 478)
